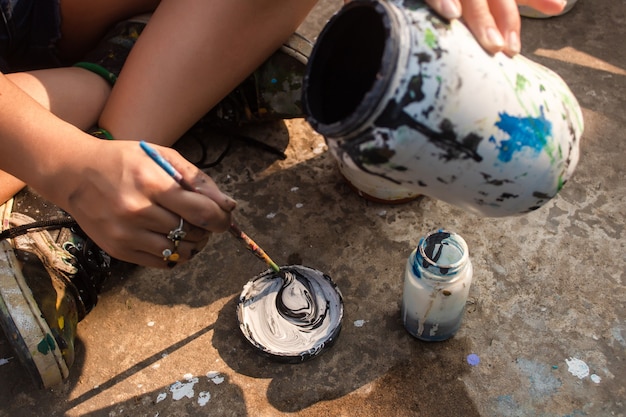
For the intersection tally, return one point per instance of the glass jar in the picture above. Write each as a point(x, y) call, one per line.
point(437, 281)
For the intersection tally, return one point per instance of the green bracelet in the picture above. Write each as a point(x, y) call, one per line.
point(97, 69)
point(101, 133)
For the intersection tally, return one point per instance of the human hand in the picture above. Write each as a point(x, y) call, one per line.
point(128, 204)
point(495, 23)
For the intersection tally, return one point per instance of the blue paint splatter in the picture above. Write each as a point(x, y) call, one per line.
point(473, 359)
point(524, 132)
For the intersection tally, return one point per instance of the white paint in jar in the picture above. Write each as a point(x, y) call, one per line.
point(437, 281)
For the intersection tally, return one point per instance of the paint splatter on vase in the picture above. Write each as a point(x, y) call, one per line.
point(437, 281)
point(410, 104)
point(292, 315)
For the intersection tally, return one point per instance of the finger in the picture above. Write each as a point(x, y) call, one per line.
point(197, 210)
point(155, 250)
point(169, 251)
point(201, 182)
point(507, 19)
point(183, 229)
point(478, 18)
point(548, 7)
point(158, 219)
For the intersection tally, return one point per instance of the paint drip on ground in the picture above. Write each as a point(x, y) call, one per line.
point(577, 367)
point(473, 359)
point(215, 377)
point(292, 315)
point(181, 390)
point(203, 398)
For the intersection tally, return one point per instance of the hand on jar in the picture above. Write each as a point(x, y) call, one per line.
point(495, 23)
point(129, 205)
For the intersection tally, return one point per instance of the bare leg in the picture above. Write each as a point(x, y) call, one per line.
point(190, 55)
point(84, 23)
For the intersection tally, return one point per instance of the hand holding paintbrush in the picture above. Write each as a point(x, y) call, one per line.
point(234, 229)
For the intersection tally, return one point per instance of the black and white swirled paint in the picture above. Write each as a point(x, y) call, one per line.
point(292, 315)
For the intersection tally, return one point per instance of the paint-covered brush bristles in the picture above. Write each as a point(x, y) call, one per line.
point(253, 247)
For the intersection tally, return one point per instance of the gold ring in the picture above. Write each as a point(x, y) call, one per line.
point(170, 256)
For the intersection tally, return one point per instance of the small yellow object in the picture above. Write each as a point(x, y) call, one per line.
point(61, 321)
point(173, 257)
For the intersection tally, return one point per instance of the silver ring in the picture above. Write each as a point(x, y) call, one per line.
point(178, 234)
point(166, 253)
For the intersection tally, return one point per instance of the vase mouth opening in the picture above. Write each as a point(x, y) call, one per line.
point(350, 67)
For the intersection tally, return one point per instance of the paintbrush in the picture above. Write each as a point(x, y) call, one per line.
point(234, 229)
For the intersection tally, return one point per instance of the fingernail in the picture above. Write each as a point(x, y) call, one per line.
point(514, 45)
point(495, 38)
point(230, 204)
point(450, 10)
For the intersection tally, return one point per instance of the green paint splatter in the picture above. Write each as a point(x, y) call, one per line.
point(46, 345)
point(520, 82)
point(430, 38)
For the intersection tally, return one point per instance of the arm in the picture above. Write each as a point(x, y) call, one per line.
point(120, 197)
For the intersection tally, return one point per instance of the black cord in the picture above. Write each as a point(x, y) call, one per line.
point(41, 224)
point(233, 136)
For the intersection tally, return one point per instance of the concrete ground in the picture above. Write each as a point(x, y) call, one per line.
point(548, 295)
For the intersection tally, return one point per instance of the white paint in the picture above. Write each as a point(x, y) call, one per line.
point(294, 189)
point(319, 149)
point(181, 390)
point(275, 333)
point(203, 398)
point(299, 205)
point(270, 215)
point(150, 323)
point(382, 213)
point(161, 397)
point(359, 323)
point(215, 377)
point(577, 368)
point(433, 303)
point(595, 378)
point(4, 361)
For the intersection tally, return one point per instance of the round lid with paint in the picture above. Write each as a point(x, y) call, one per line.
point(292, 315)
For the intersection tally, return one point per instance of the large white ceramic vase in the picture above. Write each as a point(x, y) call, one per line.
point(410, 104)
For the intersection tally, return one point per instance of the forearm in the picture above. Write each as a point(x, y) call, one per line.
point(38, 147)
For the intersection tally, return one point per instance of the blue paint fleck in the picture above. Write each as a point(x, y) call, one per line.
point(524, 132)
point(274, 81)
point(473, 359)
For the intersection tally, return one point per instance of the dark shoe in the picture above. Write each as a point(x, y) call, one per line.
point(272, 92)
point(50, 277)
